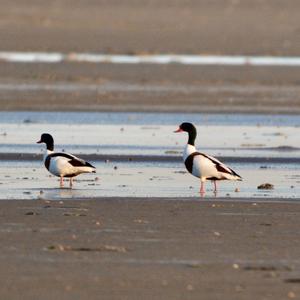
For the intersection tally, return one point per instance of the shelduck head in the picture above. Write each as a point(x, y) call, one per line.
point(48, 140)
point(190, 129)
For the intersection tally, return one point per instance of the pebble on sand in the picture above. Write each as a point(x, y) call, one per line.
point(266, 186)
point(291, 295)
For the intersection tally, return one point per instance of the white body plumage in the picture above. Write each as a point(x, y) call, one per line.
point(207, 167)
point(63, 164)
point(202, 165)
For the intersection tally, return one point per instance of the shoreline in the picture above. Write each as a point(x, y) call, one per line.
point(193, 199)
point(152, 158)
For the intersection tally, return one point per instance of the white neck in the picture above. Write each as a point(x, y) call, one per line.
point(188, 150)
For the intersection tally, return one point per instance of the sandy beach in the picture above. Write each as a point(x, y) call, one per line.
point(108, 243)
point(158, 248)
point(252, 27)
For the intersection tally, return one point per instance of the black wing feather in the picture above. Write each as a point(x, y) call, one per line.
point(220, 167)
point(74, 161)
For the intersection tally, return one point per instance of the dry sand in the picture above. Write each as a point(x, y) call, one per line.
point(149, 249)
point(152, 26)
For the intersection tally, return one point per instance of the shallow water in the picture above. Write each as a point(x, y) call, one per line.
point(151, 134)
point(136, 118)
point(234, 136)
point(186, 59)
point(30, 180)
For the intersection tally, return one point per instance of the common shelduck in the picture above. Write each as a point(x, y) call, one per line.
point(63, 164)
point(202, 165)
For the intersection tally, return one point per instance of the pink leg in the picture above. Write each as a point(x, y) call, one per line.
point(215, 184)
point(61, 181)
point(202, 188)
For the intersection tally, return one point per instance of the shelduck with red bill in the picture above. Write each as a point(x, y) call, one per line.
point(202, 165)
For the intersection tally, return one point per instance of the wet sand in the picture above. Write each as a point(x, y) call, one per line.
point(157, 248)
point(148, 88)
point(141, 27)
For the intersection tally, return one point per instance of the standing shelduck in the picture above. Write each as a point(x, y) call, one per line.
point(63, 164)
point(202, 165)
